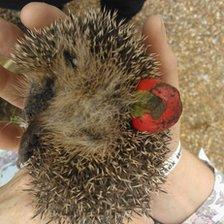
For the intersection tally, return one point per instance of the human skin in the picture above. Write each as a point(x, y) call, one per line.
point(184, 195)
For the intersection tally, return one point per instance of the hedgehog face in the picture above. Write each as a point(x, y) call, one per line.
point(82, 75)
point(76, 108)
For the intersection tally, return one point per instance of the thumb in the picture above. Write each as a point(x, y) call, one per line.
point(156, 41)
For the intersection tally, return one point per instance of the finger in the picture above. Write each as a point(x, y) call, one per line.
point(37, 15)
point(10, 87)
point(156, 42)
point(9, 33)
point(10, 136)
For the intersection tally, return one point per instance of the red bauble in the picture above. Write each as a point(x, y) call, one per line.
point(163, 110)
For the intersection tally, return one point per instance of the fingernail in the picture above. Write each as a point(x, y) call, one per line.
point(163, 28)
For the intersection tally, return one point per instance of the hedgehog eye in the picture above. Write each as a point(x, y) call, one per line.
point(70, 59)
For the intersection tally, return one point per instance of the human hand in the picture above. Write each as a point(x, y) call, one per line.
point(182, 197)
point(15, 203)
point(37, 15)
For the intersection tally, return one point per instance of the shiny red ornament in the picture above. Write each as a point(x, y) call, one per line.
point(159, 106)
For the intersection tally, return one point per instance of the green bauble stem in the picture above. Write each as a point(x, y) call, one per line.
point(148, 103)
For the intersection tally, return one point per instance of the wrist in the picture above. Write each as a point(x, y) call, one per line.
point(187, 187)
point(175, 135)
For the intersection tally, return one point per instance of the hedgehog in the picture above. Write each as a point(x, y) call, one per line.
point(11, 16)
point(88, 165)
